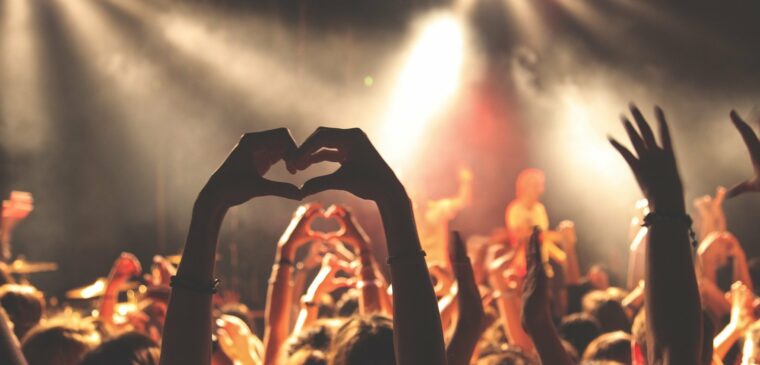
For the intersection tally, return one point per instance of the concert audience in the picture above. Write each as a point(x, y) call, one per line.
point(517, 300)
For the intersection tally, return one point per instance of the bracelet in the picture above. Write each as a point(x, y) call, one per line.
point(177, 282)
point(654, 217)
point(392, 259)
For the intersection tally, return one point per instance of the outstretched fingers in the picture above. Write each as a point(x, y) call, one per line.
point(749, 137)
point(629, 158)
point(646, 132)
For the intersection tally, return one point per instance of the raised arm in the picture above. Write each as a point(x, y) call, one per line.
point(674, 319)
point(753, 146)
point(125, 267)
point(187, 331)
point(536, 309)
point(472, 317)
point(417, 325)
point(280, 293)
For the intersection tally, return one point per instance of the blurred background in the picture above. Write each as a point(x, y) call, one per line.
point(114, 112)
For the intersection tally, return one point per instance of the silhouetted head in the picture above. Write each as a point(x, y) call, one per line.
point(364, 341)
point(63, 344)
point(608, 312)
point(131, 348)
point(508, 355)
point(530, 185)
point(579, 329)
point(25, 306)
point(613, 346)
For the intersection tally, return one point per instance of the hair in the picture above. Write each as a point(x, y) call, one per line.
point(708, 333)
point(25, 306)
point(639, 331)
point(364, 341)
point(508, 355)
point(318, 336)
point(308, 357)
point(609, 312)
point(613, 346)
point(579, 329)
point(131, 348)
point(525, 178)
point(61, 344)
point(348, 304)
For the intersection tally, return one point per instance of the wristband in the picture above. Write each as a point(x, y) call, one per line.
point(394, 259)
point(177, 282)
point(654, 218)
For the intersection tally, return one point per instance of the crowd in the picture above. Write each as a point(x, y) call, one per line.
point(518, 298)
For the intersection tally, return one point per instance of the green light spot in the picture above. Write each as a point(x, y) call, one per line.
point(368, 81)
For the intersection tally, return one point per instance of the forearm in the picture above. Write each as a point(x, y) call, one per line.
point(548, 344)
point(725, 340)
point(187, 331)
point(465, 338)
point(370, 286)
point(417, 323)
point(674, 319)
point(10, 349)
point(277, 312)
point(572, 269)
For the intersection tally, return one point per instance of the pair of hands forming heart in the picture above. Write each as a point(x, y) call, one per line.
point(300, 231)
point(363, 171)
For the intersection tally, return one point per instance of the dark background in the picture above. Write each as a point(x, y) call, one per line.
point(121, 158)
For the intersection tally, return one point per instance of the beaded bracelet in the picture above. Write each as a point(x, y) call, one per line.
point(177, 282)
point(654, 217)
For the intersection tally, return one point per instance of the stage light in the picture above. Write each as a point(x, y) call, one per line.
point(427, 81)
point(22, 107)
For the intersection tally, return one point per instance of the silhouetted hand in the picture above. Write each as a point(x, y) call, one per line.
point(351, 231)
point(753, 146)
point(299, 230)
point(126, 266)
point(655, 167)
point(536, 309)
point(240, 177)
point(363, 171)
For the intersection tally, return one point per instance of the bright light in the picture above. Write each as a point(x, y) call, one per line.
point(428, 80)
point(22, 106)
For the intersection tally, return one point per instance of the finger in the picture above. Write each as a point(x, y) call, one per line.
point(749, 137)
point(667, 145)
point(319, 184)
point(633, 135)
point(739, 189)
point(646, 131)
point(534, 252)
point(278, 143)
point(323, 137)
point(324, 154)
point(457, 251)
point(281, 189)
point(629, 158)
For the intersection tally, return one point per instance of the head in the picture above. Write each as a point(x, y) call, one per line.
point(598, 277)
point(508, 356)
point(25, 306)
point(131, 348)
point(63, 344)
point(348, 304)
point(639, 333)
point(608, 312)
point(579, 329)
point(364, 341)
point(317, 337)
point(308, 357)
point(613, 346)
point(530, 185)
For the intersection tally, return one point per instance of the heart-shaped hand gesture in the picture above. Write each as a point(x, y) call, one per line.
point(240, 177)
point(363, 171)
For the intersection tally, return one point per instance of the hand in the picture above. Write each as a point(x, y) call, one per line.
point(299, 230)
point(468, 295)
point(568, 237)
point(237, 340)
point(161, 271)
point(753, 145)
point(125, 267)
point(240, 177)
point(741, 306)
point(536, 309)
point(351, 231)
point(655, 168)
point(18, 206)
point(363, 172)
